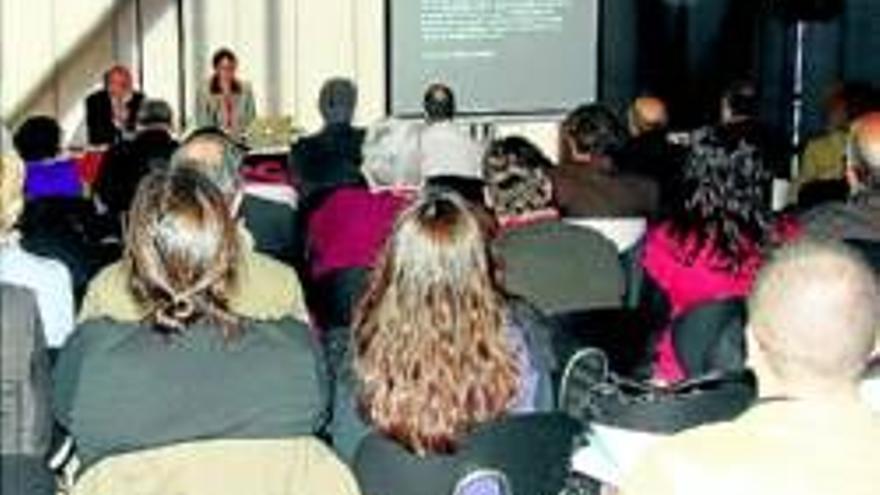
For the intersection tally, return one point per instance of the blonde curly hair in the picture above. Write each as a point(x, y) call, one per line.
point(430, 349)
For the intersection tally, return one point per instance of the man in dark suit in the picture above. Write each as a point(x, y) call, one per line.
point(111, 113)
point(332, 156)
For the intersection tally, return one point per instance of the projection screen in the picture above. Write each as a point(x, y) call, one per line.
point(501, 57)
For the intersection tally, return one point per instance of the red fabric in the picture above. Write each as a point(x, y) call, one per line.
point(350, 227)
point(88, 166)
point(688, 285)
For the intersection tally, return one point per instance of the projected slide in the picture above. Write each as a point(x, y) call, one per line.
point(502, 57)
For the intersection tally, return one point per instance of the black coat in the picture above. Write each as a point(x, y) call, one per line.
point(329, 158)
point(99, 117)
point(127, 163)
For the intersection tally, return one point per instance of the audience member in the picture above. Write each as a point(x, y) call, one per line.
point(225, 101)
point(813, 323)
point(122, 386)
point(740, 121)
point(333, 156)
point(126, 163)
point(824, 157)
point(587, 182)
point(710, 245)
point(532, 236)
point(433, 319)
point(49, 174)
point(112, 111)
point(858, 218)
point(48, 279)
point(648, 152)
point(443, 147)
point(266, 289)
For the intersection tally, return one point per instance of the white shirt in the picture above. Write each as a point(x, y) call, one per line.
point(445, 149)
point(50, 282)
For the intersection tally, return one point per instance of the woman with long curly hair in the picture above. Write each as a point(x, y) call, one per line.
point(437, 347)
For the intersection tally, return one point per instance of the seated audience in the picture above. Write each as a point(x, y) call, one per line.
point(443, 147)
point(27, 418)
point(437, 348)
point(532, 237)
point(224, 101)
point(126, 163)
point(587, 182)
point(824, 156)
point(192, 367)
point(812, 325)
point(111, 112)
point(266, 288)
point(857, 218)
point(332, 156)
point(740, 121)
point(49, 174)
point(48, 279)
point(710, 245)
point(648, 152)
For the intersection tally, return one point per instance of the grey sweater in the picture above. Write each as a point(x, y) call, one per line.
point(123, 387)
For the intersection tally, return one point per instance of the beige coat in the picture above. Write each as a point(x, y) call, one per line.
point(296, 466)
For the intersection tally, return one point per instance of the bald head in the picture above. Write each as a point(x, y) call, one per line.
point(866, 143)
point(814, 317)
point(647, 114)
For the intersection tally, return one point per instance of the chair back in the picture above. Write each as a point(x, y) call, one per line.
point(26, 419)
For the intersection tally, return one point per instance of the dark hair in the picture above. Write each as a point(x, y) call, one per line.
point(183, 248)
point(38, 138)
point(338, 100)
point(722, 202)
point(154, 112)
point(439, 103)
point(517, 178)
point(219, 56)
point(595, 129)
point(520, 150)
point(742, 98)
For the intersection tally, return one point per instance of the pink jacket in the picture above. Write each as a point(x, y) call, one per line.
point(350, 227)
point(688, 285)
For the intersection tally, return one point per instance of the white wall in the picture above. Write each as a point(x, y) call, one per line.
point(286, 48)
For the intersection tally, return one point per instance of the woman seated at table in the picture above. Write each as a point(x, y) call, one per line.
point(192, 370)
point(49, 174)
point(226, 101)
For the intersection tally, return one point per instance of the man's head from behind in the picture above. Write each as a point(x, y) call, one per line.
point(739, 102)
point(864, 152)
point(813, 322)
point(439, 103)
point(647, 113)
point(211, 152)
point(154, 114)
point(338, 100)
point(592, 132)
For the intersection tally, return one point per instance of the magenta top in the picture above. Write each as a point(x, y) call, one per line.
point(350, 227)
point(690, 284)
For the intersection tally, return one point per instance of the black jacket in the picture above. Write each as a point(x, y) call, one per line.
point(127, 163)
point(329, 158)
point(99, 117)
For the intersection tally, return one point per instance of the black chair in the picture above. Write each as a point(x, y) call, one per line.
point(711, 337)
point(531, 451)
